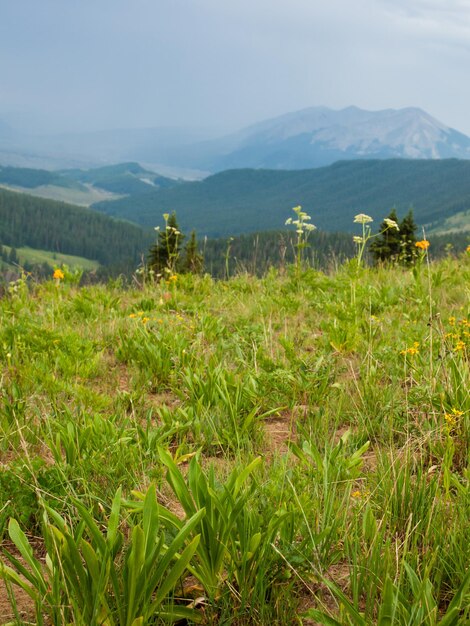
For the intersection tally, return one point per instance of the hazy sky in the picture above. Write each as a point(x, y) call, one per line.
point(92, 64)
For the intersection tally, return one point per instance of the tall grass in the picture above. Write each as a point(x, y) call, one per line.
point(249, 451)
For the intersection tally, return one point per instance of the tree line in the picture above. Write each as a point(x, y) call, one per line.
point(60, 227)
point(257, 252)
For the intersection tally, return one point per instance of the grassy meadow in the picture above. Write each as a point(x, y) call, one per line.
point(33, 257)
point(292, 449)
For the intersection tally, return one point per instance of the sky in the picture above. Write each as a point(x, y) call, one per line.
point(76, 65)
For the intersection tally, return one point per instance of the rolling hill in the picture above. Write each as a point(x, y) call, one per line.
point(242, 201)
point(87, 186)
point(64, 228)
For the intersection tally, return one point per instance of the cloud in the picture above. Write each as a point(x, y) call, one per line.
point(192, 62)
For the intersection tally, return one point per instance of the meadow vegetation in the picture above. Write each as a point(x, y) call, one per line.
point(290, 449)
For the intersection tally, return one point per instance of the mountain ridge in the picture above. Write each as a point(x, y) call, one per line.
point(310, 137)
point(248, 200)
point(319, 136)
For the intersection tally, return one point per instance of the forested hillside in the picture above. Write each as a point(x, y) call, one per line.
point(255, 253)
point(60, 227)
point(241, 201)
point(116, 180)
point(31, 178)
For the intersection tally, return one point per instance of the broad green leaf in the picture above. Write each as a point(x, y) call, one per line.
point(321, 618)
point(7, 573)
point(19, 539)
point(113, 522)
point(175, 573)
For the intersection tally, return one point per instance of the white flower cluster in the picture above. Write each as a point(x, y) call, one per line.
point(362, 218)
point(391, 223)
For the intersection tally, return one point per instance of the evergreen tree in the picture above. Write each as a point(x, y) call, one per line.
point(193, 262)
point(164, 254)
point(13, 257)
point(387, 247)
point(408, 230)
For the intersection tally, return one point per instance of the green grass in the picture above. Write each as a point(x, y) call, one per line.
point(460, 222)
point(280, 450)
point(81, 197)
point(32, 256)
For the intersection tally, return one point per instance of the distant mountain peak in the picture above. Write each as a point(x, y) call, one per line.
point(317, 136)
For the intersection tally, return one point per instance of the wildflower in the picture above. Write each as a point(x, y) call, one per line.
point(452, 321)
point(145, 320)
point(356, 494)
point(391, 223)
point(422, 245)
point(132, 315)
point(358, 239)
point(468, 249)
point(411, 351)
point(452, 418)
point(362, 218)
point(459, 346)
point(58, 274)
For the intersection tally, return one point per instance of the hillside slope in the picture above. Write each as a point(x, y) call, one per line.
point(85, 186)
point(241, 201)
point(60, 227)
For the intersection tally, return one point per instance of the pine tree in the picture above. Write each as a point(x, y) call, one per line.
point(408, 228)
point(164, 254)
point(13, 257)
point(387, 247)
point(193, 262)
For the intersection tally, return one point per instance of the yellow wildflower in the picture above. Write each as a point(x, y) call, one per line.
point(452, 418)
point(411, 351)
point(459, 346)
point(422, 245)
point(58, 274)
point(452, 321)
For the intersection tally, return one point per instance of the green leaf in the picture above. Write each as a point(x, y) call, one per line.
point(7, 573)
point(387, 606)
point(19, 539)
point(113, 522)
point(321, 618)
point(457, 602)
point(175, 573)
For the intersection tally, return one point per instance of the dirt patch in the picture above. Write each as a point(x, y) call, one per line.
point(280, 430)
point(24, 605)
point(278, 433)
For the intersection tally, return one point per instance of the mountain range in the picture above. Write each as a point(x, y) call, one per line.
point(320, 136)
point(312, 137)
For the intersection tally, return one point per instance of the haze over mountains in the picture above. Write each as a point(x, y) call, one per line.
point(312, 137)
